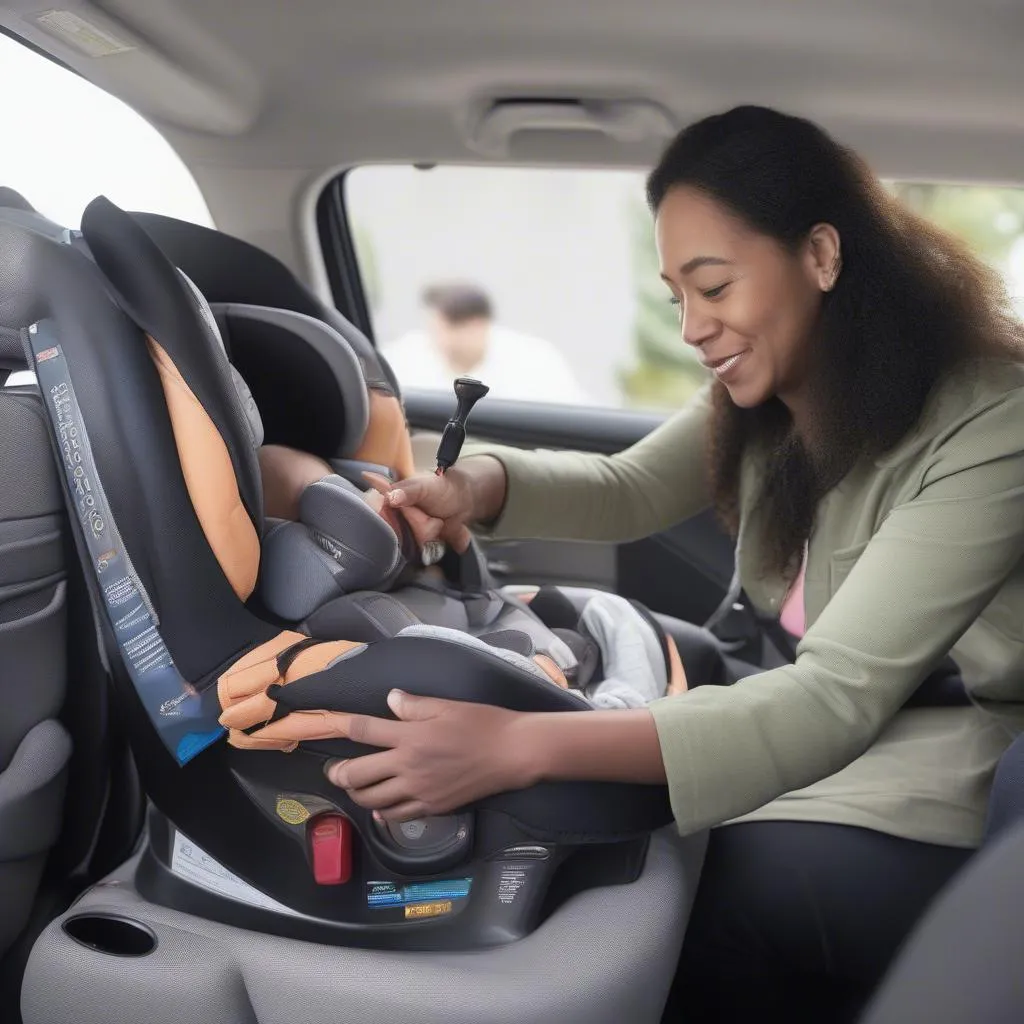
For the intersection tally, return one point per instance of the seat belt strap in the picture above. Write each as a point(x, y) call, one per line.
point(185, 718)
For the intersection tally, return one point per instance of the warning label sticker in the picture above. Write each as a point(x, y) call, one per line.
point(195, 865)
point(510, 882)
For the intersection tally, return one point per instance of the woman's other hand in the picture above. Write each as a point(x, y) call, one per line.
point(441, 755)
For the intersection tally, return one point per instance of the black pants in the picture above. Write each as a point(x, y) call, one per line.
point(798, 921)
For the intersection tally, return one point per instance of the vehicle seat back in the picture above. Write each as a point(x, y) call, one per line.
point(962, 964)
point(1006, 803)
point(35, 747)
point(63, 766)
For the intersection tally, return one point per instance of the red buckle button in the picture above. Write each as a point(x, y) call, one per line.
point(330, 842)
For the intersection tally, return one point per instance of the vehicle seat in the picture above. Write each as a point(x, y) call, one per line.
point(1006, 804)
point(172, 527)
point(35, 747)
point(60, 765)
point(962, 964)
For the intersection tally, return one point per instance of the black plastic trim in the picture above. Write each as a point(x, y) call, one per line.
point(339, 254)
point(536, 424)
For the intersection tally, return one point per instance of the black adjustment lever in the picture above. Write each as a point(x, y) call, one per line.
point(468, 392)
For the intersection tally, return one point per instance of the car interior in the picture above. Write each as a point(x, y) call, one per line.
point(170, 624)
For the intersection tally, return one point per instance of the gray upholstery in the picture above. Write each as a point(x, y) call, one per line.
point(340, 546)
point(34, 746)
point(336, 351)
point(607, 956)
point(1006, 805)
point(964, 964)
point(245, 400)
point(11, 354)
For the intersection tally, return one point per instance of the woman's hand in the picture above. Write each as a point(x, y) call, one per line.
point(443, 507)
point(442, 755)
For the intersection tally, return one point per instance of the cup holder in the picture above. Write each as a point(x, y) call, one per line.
point(110, 934)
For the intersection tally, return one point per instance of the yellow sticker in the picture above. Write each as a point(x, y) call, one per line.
point(291, 811)
point(428, 909)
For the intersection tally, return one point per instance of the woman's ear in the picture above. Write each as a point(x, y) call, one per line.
point(823, 256)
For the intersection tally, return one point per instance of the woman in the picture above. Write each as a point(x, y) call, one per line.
point(862, 434)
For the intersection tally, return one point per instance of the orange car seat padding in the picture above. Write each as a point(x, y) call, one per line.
point(242, 689)
point(387, 441)
point(297, 727)
point(210, 479)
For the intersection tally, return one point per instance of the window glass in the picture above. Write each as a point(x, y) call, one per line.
point(544, 282)
point(67, 141)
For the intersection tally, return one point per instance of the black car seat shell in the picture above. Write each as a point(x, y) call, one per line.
point(174, 456)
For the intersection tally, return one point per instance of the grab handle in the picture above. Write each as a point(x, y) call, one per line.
point(622, 120)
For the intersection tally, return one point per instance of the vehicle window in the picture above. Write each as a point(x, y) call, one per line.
point(544, 282)
point(67, 141)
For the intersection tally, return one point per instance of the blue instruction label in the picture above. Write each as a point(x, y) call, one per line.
point(391, 894)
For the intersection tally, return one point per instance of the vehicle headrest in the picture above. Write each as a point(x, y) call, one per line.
point(228, 270)
point(14, 200)
point(305, 378)
point(16, 212)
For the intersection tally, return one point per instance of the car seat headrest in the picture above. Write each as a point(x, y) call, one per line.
point(213, 436)
point(305, 377)
point(229, 270)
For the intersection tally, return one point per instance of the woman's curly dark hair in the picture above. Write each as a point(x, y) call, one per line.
point(910, 301)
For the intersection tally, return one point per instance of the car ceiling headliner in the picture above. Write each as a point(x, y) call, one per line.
point(284, 93)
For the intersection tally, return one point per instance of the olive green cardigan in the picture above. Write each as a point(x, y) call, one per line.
point(914, 555)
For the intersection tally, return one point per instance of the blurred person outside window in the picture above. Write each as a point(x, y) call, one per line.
point(461, 339)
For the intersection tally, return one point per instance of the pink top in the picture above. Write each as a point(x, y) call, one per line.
point(792, 619)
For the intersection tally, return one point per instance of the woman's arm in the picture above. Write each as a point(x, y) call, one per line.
point(650, 486)
point(508, 492)
point(925, 576)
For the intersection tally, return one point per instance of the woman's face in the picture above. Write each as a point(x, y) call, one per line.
point(747, 305)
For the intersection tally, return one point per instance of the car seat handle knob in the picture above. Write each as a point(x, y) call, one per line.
point(467, 392)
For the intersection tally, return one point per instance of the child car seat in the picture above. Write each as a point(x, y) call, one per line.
point(323, 542)
point(164, 485)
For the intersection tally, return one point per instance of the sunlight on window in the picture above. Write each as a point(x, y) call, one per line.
point(66, 142)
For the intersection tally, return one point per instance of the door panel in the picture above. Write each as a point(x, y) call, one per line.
point(684, 571)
